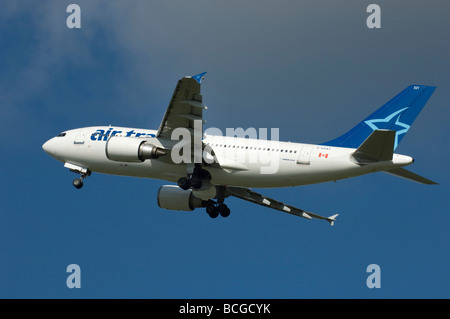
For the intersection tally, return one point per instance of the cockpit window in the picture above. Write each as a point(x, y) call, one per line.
point(61, 134)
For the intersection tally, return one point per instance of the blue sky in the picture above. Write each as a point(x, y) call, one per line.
point(311, 68)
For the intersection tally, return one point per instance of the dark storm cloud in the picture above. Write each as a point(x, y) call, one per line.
point(311, 68)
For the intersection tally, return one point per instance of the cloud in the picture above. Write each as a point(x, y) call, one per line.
point(124, 62)
point(40, 52)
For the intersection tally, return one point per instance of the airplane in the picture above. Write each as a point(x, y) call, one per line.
point(207, 168)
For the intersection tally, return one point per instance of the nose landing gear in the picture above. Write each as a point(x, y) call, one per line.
point(78, 182)
point(82, 171)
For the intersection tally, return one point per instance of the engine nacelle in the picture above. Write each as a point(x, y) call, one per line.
point(131, 149)
point(174, 198)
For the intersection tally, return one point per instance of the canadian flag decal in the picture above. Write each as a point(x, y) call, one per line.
point(323, 155)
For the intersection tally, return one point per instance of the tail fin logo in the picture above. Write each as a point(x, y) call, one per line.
point(387, 123)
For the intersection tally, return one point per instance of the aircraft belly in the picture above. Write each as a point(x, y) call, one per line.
point(292, 174)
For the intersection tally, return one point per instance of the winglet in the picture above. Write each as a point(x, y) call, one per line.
point(198, 77)
point(331, 219)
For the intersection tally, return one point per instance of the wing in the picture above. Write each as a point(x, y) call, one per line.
point(184, 108)
point(251, 196)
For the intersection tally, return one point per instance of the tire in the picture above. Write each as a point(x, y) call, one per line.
point(196, 182)
point(212, 211)
point(224, 210)
point(184, 183)
point(78, 183)
point(205, 175)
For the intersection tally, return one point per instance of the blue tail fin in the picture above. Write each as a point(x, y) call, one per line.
point(398, 115)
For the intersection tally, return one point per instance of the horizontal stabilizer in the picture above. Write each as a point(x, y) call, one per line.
point(401, 172)
point(379, 146)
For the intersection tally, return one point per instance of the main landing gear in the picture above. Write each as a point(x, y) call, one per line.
point(187, 182)
point(199, 178)
point(213, 210)
point(195, 180)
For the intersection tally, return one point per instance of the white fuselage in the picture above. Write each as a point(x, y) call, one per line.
point(238, 161)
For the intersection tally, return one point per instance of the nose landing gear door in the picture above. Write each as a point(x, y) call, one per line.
point(305, 155)
point(79, 138)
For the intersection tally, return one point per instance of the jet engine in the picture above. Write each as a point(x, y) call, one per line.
point(131, 149)
point(174, 198)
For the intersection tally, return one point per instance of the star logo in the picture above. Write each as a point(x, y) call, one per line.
point(386, 123)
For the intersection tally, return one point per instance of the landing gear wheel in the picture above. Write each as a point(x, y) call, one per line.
point(78, 183)
point(196, 182)
point(184, 183)
point(212, 211)
point(223, 210)
point(204, 174)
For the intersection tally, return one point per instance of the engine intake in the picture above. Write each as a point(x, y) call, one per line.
point(131, 149)
point(173, 197)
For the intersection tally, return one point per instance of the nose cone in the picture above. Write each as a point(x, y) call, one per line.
point(49, 147)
